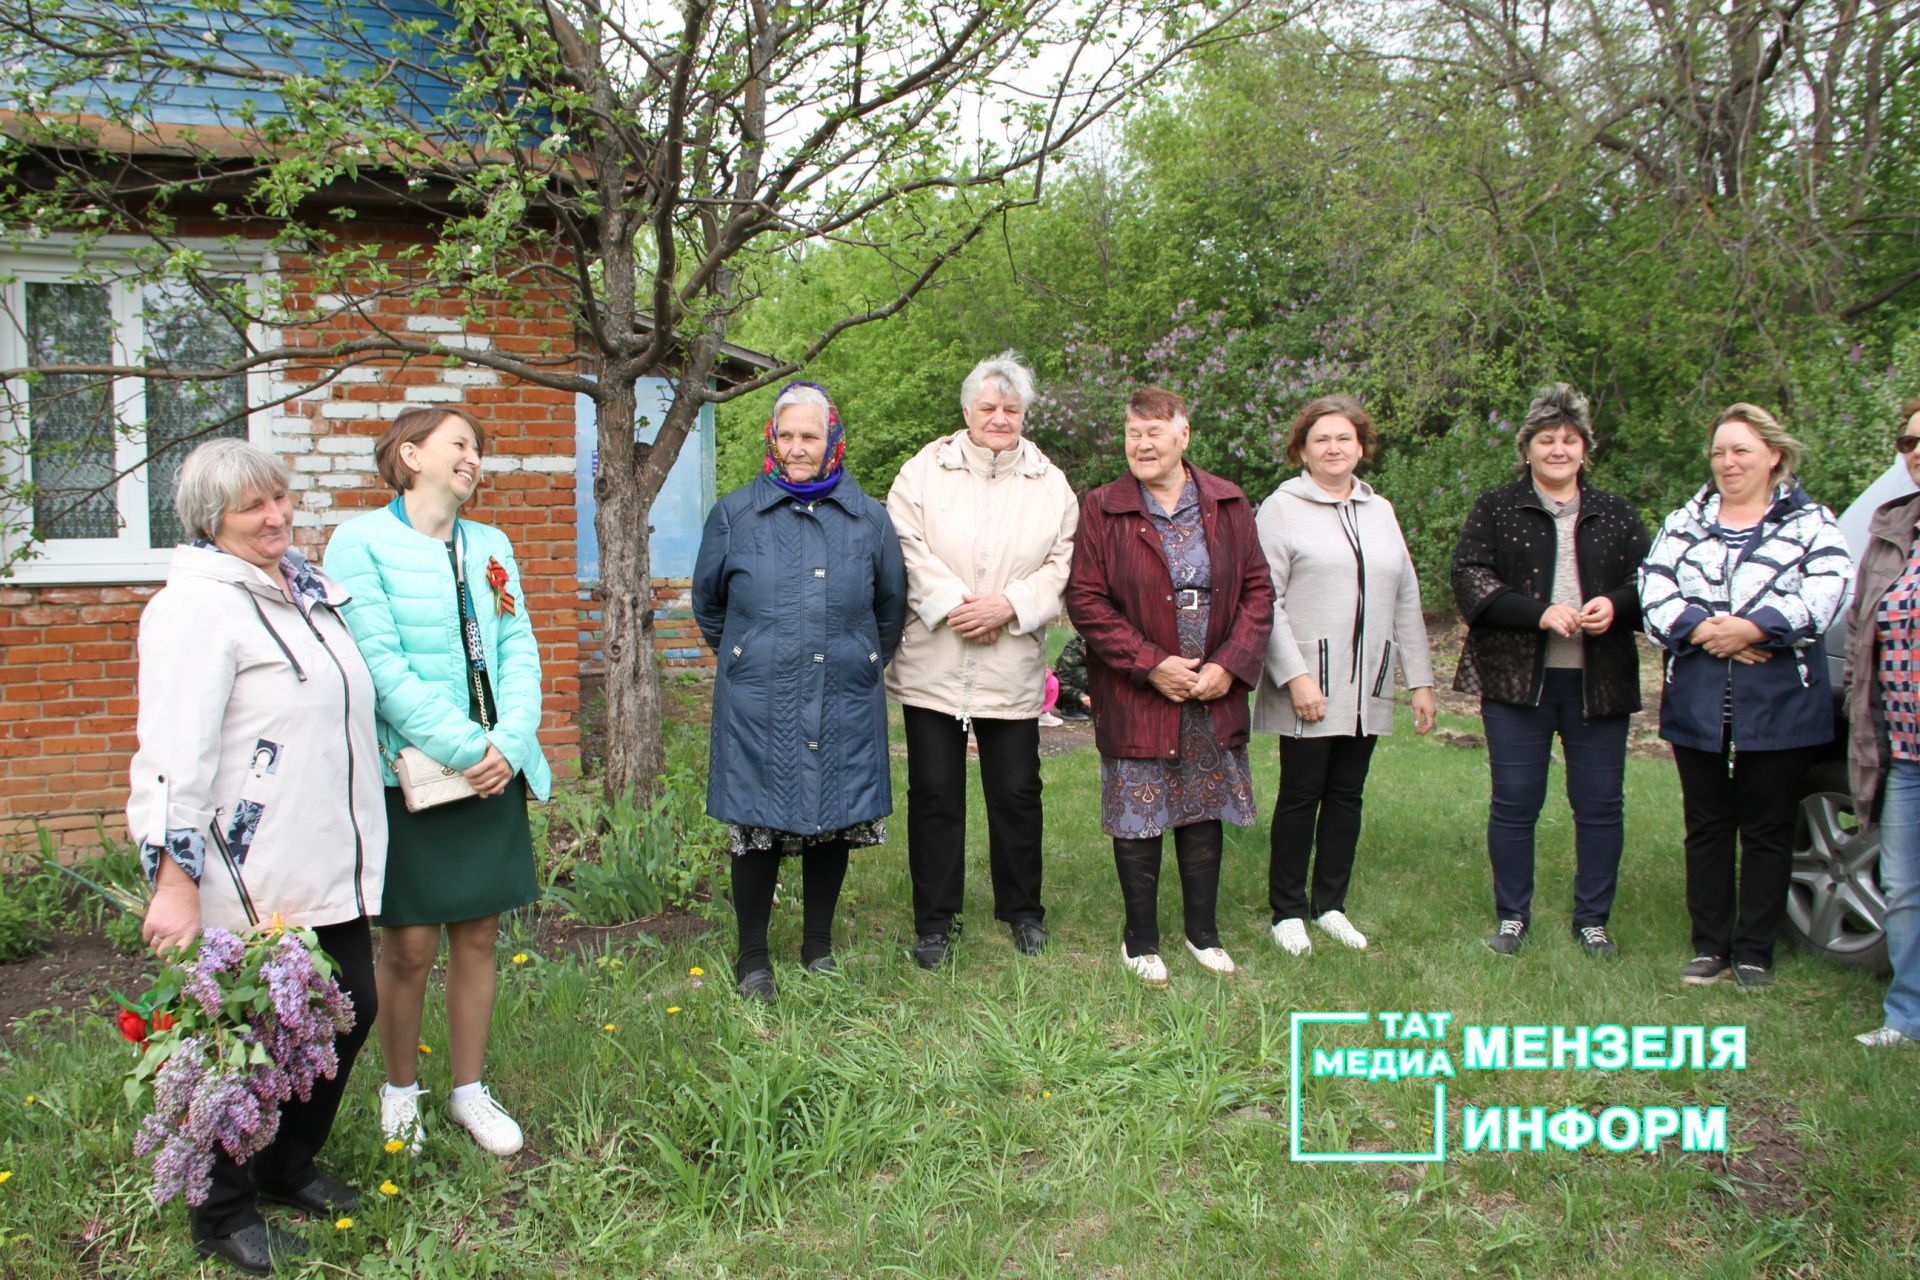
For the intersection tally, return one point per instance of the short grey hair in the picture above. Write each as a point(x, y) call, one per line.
point(798, 394)
point(216, 476)
point(1557, 405)
point(1008, 370)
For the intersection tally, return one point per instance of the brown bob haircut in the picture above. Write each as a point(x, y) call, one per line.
point(1326, 406)
point(412, 427)
point(1156, 404)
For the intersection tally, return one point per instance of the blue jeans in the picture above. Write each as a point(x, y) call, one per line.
point(1900, 881)
point(1519, 746)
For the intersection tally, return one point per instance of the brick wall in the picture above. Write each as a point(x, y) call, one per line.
point(67, 661)
point(677, 643)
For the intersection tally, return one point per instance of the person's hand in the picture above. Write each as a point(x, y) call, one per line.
point(1309, 703)
point(980, 618)
point(1425, 708)
point(1212, 681)
point(1174, 677)
point(1596, 616)
point(1752, 655)
point(1724, 635)
point(172, 921)
point(491, 775)
point(1561, 619)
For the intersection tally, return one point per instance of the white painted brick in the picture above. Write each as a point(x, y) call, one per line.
point(346, 480)
point(358, 445)
point(331, 301)
point(467, 341)
point(360, 373)
point(548, 464)
point(470, 377)
point(312, 462)
point(394, 408)
point(315, 499)
point(433, 324)
point(495, 462)
point(290, 426)
point(434, 394)
point(347, 409)
point(297, 482)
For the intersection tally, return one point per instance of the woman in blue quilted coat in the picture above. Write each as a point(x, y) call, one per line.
point(438, 612)
point(801, 592)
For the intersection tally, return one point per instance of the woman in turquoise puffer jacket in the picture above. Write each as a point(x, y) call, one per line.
point(438, 613)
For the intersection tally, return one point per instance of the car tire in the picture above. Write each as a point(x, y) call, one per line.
point(1835, 907)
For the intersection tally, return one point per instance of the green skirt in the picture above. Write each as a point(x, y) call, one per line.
point(458, 861)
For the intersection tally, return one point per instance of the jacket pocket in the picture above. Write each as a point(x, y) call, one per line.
point(1383, 681)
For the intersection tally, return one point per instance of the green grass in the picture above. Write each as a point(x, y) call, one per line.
point(1049, 1118)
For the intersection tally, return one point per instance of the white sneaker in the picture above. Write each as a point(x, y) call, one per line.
point(1885, 1038)
point(492, 1128)
point(1213, 959)
point(1341, 929)
point(1291, 934)
point(1151, 970)
point(400, 1117)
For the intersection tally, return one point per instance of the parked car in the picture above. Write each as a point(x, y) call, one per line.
point(1835, 908)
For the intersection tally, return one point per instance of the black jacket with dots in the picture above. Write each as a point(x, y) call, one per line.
point(1503, 581)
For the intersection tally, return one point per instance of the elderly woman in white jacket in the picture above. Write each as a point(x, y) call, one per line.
point(256, 731)
point(986, 526)
point(1346, 614)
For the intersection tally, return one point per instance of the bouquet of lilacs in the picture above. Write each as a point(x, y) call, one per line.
point(235, 1027)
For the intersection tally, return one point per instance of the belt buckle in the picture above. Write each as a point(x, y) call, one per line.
point(1187, 598)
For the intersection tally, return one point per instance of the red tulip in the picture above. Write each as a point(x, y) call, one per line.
point(163, 1022)
point(133, 1026)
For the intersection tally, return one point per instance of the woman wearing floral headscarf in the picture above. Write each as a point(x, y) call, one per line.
point(801, 592)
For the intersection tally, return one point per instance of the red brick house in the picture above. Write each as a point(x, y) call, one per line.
point(69, 615)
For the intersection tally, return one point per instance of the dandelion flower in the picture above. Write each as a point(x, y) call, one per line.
point(610, 1027)
point(395, 1146)
point(5, 1174)
point(519, 957)
point(696, 972)
point(425, 1047)
point(30, 1100)
point(388, 1189)
point(673, 1008)
point(1045, 1094)
point(343, 1224)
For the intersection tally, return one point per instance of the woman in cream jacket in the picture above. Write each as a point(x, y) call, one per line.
point(986, 526)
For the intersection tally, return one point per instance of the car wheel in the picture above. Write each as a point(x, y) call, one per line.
point(1835, 907)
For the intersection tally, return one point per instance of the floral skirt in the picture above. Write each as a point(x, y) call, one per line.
point(788, 843)
point(1142, 798)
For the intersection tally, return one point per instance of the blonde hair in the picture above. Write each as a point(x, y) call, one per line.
point(1771, 434)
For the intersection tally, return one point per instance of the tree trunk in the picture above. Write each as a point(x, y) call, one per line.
point(636, 746)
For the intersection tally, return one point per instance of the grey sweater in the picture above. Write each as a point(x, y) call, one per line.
point(1323, 625)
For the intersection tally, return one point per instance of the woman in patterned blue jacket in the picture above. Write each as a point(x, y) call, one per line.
point(1737, 591)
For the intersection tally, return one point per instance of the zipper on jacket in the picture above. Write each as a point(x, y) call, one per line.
point(346, 693)
point(298, 673)
point(1386, 666)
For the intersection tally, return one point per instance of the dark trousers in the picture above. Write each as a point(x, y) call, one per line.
point(1519, 746)
point(1196, 847)
point(823, 868)
point(937, 816)
point(287, 1164)
point(1757, 802)
point(1321, 784)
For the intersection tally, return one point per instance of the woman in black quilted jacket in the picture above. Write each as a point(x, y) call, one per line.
point(1545, 575)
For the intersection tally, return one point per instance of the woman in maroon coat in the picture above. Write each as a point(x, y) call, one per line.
point(1173, 597)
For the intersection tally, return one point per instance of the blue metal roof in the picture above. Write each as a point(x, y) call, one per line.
point(334, 38)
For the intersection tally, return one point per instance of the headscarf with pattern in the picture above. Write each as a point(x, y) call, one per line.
point(829, 476)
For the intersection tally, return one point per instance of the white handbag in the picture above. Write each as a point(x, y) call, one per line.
point(425, 782)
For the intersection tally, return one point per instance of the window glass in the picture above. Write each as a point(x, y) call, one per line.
point(72, 416)
point(184, 332)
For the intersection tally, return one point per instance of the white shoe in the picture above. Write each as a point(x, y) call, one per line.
point(492, 1128)
point(1151, 970)
point(1213, 959)
point(1291, 934)
point(1885, 1038)
point(400, 1117)
point(1341, 930)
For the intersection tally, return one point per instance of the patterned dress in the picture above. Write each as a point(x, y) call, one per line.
point(1140, 799)
point(1899, 627)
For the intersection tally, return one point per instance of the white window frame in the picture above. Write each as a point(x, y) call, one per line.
point(127, 558)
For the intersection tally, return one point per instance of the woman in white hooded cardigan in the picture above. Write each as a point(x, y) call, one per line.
point(1346, 610)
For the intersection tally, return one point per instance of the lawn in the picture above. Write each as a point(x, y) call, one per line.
point(1048, 1117)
